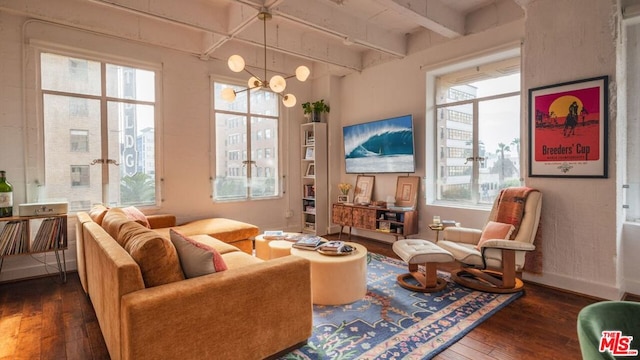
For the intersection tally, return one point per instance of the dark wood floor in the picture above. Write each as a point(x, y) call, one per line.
point(45, 319)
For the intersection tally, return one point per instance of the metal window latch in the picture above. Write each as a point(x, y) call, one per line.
point(104, 161)
point(474, 158)
point(245, 162)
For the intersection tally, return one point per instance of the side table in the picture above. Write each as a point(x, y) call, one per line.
point(437, 228)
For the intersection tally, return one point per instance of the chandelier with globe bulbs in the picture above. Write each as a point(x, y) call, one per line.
point(277, 83)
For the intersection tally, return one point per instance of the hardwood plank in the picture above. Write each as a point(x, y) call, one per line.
point(46, 319)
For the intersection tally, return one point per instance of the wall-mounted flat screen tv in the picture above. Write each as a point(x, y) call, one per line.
point(381, 146)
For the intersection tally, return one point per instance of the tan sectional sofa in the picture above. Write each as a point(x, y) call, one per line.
point(148, 310)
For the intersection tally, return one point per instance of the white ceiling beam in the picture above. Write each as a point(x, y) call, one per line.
point(82, 14)
point(430, 14)
point(282, 38)
point(329, 20)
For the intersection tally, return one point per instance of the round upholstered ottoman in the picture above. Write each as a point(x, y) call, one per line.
point(422, 252)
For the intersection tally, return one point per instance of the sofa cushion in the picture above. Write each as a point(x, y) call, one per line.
point(495, 230)
point(196, 258)
point(136, 215)
point(113, 220)
point(220, 246)
point(223, 229)
point(97, 213)
point(155, 255)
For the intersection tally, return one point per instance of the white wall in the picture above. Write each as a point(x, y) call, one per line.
point(580, 221)
point(184, 130)
point(582, 227)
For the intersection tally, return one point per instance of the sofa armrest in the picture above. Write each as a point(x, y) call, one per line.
point(244, 313)
point(161, 221)
point(462, 235)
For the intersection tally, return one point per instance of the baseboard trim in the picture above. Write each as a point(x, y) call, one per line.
point(561, 282)
point(34, 270)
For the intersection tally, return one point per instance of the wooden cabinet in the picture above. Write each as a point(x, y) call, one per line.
point(24, 235)
point(315, 192)
point(399, 223)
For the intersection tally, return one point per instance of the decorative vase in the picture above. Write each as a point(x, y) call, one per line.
point(343, 198)
point(316, 116)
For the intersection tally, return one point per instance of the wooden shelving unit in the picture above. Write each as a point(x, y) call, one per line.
point(397, 223)
point(25, 235)
point(315, 211)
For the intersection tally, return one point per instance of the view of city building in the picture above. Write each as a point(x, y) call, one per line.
point(77, 113)
point(478, 139)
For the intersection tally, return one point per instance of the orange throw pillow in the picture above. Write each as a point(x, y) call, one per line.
point(136, 215)
point(495, 230)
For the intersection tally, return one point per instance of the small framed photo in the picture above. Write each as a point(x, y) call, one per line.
point(311, 170)
point(309, 154)
point(364, 189)
point(568, 125)
point(407, 191)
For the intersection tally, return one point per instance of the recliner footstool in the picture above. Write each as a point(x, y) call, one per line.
point(417, 252)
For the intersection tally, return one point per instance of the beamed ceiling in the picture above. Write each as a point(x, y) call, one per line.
point(341, 36)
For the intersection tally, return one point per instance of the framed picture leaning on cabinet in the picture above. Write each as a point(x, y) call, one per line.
point(407, 191)
point(364, 189)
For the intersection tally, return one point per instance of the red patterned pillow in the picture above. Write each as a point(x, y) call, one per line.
point(136, 215)
point(196, 258)
point(495, 230)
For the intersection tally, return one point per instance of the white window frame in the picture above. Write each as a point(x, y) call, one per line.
point(36, 120)
point(249, 153)
point(631, 177)
point(431, 151)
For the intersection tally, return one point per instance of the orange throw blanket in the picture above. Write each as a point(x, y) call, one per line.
point(510, 210)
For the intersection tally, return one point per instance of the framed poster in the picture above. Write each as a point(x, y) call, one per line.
point(407, 191)
point(364, 189)
point(568, 125)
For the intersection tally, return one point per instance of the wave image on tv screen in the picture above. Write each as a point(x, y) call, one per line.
point(382, 146)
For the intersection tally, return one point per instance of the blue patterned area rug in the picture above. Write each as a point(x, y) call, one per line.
point(394, 323)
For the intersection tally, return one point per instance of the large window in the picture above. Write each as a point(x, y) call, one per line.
point(632, 193)
point(99, 132)
point(477, 122)
point(253, 175)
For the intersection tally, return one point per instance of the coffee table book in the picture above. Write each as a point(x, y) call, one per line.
point(306, 241)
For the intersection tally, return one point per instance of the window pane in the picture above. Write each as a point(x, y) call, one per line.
point(231, 180)
point(265, 182)
point(455, 145)
point(63, 73)
point(132, 145)
point(79, 140)
point(129, 83)
point(499, 132)
point(264, 103)
point(82, 185)
point(239, 104)
point(479, 81)
point(80, 175)
point(478, 139)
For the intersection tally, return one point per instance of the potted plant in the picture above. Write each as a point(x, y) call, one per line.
point(315, 109)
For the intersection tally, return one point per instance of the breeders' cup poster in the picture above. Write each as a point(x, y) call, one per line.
point(568, 129)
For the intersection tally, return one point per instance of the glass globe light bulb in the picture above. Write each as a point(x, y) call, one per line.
point(254, 82)
point(302, 73)
point(236, 63)
point(277, 84)
point(228, 94)
point(289, 100)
